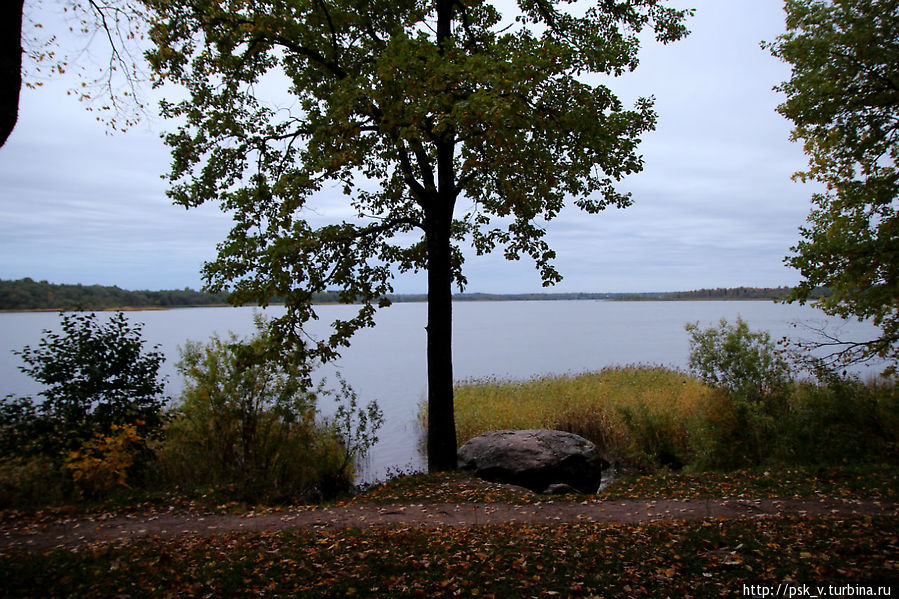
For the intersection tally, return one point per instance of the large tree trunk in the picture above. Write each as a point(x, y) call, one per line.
point(441, 419)
point(10, 65)
point(438, 223)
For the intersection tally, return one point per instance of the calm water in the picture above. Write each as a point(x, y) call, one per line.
point(491, 339)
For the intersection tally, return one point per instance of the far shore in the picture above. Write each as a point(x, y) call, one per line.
point(405, 301)
point(455, 300)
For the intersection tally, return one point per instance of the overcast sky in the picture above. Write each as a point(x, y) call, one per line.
point(714, 206)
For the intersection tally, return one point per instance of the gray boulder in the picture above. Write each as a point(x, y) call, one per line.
point(535, 459)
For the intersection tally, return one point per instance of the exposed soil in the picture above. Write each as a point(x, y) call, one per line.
point(18, 533)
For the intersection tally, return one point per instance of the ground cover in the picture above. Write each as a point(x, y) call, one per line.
point(709, 557)
point(856, 481)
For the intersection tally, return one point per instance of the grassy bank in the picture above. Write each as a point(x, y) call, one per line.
point(651, 417)
point(615, 408)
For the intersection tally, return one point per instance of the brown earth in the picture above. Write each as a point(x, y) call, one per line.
point(20, 533)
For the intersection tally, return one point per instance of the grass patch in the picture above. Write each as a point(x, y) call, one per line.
point(871, 481)
point(443, 487)
point(709, 558)
point(635, 414)
point(652, 417)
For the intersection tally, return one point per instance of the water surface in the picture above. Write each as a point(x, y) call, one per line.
point(515, 339)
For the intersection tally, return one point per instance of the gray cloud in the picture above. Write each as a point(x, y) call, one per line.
point(714, 206)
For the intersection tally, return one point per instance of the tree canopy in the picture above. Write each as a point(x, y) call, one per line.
point(444, 122)
point(843, 97)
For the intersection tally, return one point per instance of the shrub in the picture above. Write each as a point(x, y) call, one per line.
point(95, 376)
point(29, 481)
point(99, 384)
point(753, 379)
point(841, 419)
point(743, 363)
point(730, 433)
point(762, 416)
point(355, 427)
point(247, 421)
point(102, 463)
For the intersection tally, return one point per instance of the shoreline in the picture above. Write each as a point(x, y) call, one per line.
point(396, 301)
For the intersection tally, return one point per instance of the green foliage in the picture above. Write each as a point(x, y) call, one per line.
point(409, 107)
point(356, 427)
point(95, 376)
point(843, 97)
point(737, 293)
point(27, 294)
point(738, 427)
point(839, 419)
point(743, 363)
point(762, 416)
point(247, 421)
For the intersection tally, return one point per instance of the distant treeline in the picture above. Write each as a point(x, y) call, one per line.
point(736, 293)
point(27, 294)
point(507, 297)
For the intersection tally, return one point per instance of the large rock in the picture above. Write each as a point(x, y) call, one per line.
point(536, 459)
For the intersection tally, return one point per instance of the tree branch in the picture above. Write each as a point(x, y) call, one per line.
point(335, 46)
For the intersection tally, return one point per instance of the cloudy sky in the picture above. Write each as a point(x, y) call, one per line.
point(714, 206)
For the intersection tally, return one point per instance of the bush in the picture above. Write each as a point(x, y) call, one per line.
point(247, 422)
point(355, 427)
point(102, 463)
point(27, 482)
point(841, 419)
point(98, 382)
point(743, 363)
point(763, 417)
point(95, 376)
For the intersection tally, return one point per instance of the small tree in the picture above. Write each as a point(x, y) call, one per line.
point(355, 426)
point(753, 377)
point(843, 97)
point(96, 375)
point(744, 363)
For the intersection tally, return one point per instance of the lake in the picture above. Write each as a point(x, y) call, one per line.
point(515, 339)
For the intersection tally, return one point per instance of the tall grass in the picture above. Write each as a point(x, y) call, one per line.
point(649, 417)
point(635, 414)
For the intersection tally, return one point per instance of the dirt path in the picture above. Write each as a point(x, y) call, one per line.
point(69, 533)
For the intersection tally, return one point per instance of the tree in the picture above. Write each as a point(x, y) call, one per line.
point(744, 363)
point(436, 103)
point(10, 65)
point(118, 23)
point(843, 97)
